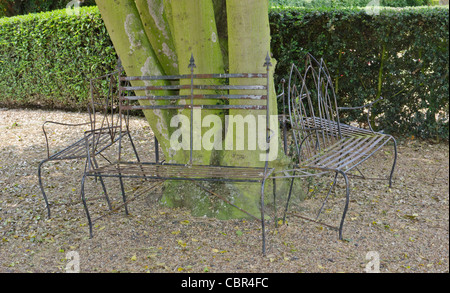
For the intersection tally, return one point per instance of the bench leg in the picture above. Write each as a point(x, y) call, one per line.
point(133, 146)
point(395, 162)
point(263, 226)
point(106, 194)
point(83, 198)
point(328, 194)
point(347, 200)
point(289, 198)
point(156, 151)
point(275, 201)
point(103, 185)
point(124, 197)
point(42, 188)
point(136, 153)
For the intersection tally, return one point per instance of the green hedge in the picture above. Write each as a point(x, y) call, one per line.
point(348, 3)
point(47, 58)
point(400, 54)
point(21, 7)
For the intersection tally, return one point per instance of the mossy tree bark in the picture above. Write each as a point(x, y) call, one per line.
point(157, 37)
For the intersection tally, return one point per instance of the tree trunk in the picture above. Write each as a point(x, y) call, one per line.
point(157, 37)
point(158, 31)
point(195, 34)
point(248, 46)
point(138, 58)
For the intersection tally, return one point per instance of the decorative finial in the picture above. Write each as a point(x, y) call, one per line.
point(119, 64)
point(268, 63)
point(192, 62)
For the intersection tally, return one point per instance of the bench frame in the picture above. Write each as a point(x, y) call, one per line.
point(322, 144)
point(160, 171)
point(104, 131)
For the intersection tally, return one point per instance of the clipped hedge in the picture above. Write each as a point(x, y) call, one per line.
point(400, 54)
point(16, 7)
point(348, 3)
point(47, 58)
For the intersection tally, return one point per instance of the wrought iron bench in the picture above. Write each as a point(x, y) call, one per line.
point(104, 130)
point(321, 143)
point(199, 83)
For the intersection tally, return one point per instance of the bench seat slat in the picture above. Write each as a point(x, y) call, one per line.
point(184, 172)
point(332, 126)
point(347, 153)
point(78, 149)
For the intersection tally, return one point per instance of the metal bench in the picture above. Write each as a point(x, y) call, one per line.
point(104, 130)
point(174, 90)
point(321, 143)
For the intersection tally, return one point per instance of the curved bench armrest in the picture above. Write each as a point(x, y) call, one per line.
point(367, 106)
point(370, 105)
point(58, 123)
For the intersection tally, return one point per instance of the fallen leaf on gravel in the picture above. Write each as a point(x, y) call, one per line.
point(411, 217)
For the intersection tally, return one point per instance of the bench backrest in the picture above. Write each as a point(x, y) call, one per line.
point(313, 109)
point(103, 108)
point(224, 91)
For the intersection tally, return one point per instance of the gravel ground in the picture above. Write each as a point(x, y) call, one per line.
point(406, 226)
